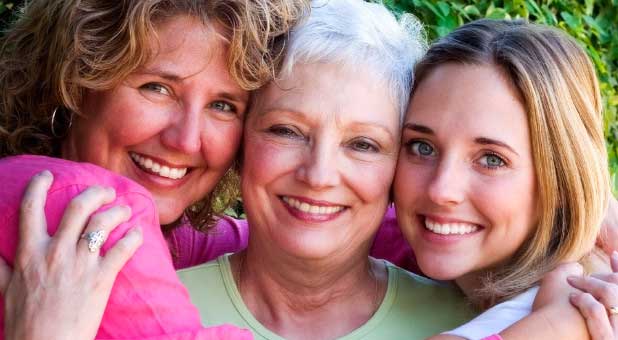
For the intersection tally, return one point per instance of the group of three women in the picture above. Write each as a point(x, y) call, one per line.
point(499, 173)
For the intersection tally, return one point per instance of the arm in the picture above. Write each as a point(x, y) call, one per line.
point(552, 317)
point(147, 300)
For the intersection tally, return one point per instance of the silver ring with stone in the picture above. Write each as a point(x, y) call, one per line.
point(95, 239)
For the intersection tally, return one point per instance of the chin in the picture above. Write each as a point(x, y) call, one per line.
point(440, 270)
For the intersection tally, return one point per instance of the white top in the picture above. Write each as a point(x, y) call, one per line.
point(498, 317)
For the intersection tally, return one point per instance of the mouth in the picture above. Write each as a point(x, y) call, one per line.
point(450, 228)
point(313, 207)
point(153, 167)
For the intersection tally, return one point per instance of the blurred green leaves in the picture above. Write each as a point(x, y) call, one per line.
point(593, 22)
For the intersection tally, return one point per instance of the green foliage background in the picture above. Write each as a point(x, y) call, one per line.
point(593, 22)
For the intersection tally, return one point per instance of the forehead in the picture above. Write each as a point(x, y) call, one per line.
point(322, 89)
point(187, 38)
point(470, 99)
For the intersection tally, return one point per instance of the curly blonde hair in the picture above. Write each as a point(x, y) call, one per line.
point(58, 49)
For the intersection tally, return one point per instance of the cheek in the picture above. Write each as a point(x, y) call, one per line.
point(264, 161)
point(409, 184)
point(509, 201)
point(220, 142)
point(371, 180)
point(122, 118)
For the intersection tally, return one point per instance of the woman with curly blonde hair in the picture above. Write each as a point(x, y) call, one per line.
point(154, 91)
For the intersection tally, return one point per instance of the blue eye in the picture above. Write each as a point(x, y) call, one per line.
point(492, 161)
point(223, 106)
point(156, 87)
point(420, 148)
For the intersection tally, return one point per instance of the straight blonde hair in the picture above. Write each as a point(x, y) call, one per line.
point(561, 95)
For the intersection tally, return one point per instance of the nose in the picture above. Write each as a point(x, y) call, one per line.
point(447, 184)
point(182, 133)
point(320, 167)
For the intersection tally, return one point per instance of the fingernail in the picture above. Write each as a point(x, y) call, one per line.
point(136, 231)
point(571, 279)
point(615, 254)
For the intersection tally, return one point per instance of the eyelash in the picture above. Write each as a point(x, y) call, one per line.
point(410, 145)
point(156, 87)
point(232, 107)
point(287, 132)
point(368, 145)
point(284, 131)
point(503, 162)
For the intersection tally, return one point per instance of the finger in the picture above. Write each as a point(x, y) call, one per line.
point(5, 276)
point(78, 211)
point(121, 252)
point(608, 277)
point(104, 222)
point(32, 221)
point(605, 292)
point(595, 314)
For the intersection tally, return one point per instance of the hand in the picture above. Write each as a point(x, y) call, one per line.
point(599, 294)
point(554, 288)
point(59, 288)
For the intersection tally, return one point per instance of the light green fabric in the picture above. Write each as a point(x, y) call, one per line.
point(414, 307)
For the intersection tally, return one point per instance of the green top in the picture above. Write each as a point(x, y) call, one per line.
point(414, 307)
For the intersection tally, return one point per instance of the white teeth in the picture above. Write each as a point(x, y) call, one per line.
point(312, 209)
point(450, 228)
point(161, 170)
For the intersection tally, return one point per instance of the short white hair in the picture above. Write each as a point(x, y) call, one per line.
point(363, 35)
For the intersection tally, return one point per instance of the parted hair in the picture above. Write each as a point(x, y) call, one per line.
point(560, 91)
point(58, 49)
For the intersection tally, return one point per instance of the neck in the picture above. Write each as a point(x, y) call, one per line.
point(300, 298)
point(469, 283)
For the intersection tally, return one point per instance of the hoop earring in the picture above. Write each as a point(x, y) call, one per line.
point(53, 123)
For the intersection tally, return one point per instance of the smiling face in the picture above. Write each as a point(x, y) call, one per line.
point(319, 158)
point(173, 125)
point(465, 182)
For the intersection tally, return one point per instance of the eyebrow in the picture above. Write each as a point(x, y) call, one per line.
point(489, 141)
point(305, 117)
point(172, 77)
point(479, 140)
point(418, 128)
point(160, 73)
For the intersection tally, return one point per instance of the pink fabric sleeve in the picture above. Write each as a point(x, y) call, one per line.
point(389, 244)
point(147, 301)
point(190, 247)
point(493, 337)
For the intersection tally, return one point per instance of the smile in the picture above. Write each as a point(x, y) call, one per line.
point(153, 167)
point(450, 228)
point(311, 208)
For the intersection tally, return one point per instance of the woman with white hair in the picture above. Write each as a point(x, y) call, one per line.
point(318, 163)
point(320, 148)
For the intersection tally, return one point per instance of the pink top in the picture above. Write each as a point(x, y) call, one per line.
point(493, 337)
point(139, 305)
point(190, 247)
